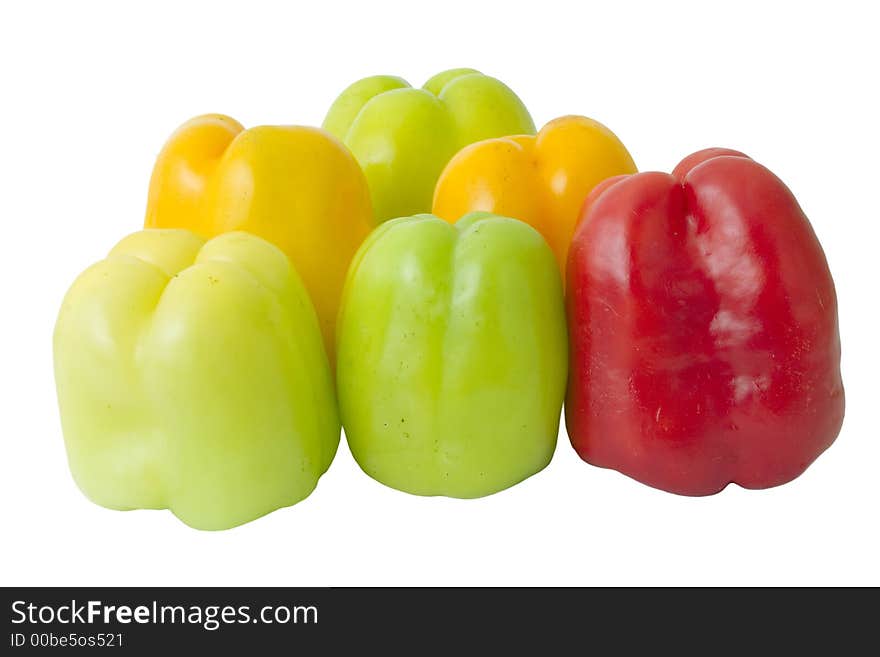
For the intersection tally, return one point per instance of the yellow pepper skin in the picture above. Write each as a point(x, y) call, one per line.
point(403, 136)
point(297, 187)
point(192, 376)
point(542, 180)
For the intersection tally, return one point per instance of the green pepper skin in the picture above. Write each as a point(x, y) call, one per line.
point(403, 137)
point(452, 354)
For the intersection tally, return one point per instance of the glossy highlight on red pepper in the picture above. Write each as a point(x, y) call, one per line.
point(703, 327)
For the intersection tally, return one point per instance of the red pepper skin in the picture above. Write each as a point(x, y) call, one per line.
point(703, 327)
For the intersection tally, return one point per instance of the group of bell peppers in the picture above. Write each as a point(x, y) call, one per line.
point(290, 280)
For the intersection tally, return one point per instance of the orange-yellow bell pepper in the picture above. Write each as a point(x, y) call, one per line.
point(542, 180)
point(295, 186)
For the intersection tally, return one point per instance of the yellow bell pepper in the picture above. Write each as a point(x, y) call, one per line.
point(542, 180)
point(297, 187)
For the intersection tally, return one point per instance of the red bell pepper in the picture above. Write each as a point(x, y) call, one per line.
point(703, 328)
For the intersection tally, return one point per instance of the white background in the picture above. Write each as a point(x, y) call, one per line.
point(90, 92)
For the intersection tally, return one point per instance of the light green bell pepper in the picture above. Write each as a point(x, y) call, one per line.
point(403, 137)
point(192, 376)
point(452, 354)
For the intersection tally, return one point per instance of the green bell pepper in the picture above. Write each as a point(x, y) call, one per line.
point(403, 137)
point(192, 376)
point(452, 354)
